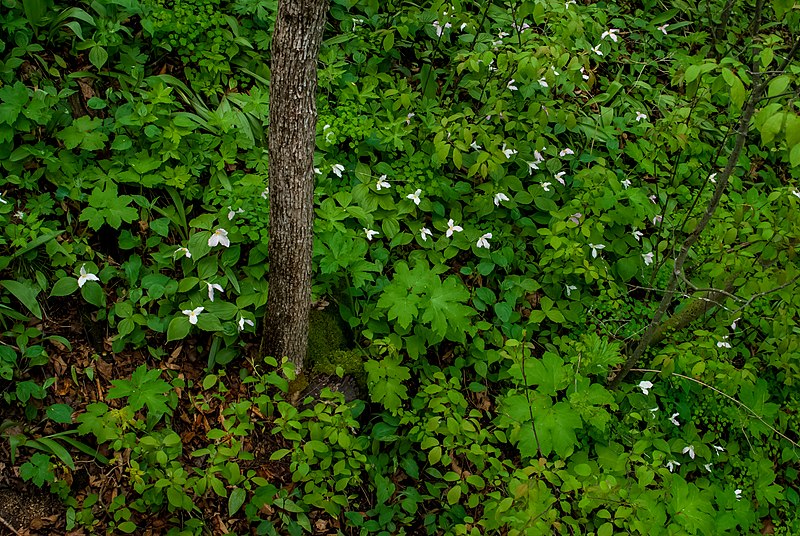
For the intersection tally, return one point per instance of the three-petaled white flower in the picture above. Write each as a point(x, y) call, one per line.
point(568, 2)
point(671, 465)
point(723, 343)
point(543, 82)
point(220, 236)
point(689, 450)
point(508, 152)
point(663, 28)
point(409, 115)
point(583, 74)
point(3, 201)
point(596, 50)
point(596, 248)
point(640, 116)
point(645, 386)
point(337, 169)
point(452, 228)
point(425, 233)
point(713, 178)
point(648, 258)
point(511, 85)
point(576, 218)
point(738, 494)
point(483, 241)
point(370, 233)
point(243, 321)
point(637, 234)
point(474, 145)
point(610, 33)
point(193, 314)
point(211, 288)
point(707, 467)
point(232, 213)
point(440, 28)
point(317, 171)
point(560, 177)
point(674, 419)
point(86, 276)
point(182, 251)
point(546, 186)
point(658, 219)
point(499, 197)
point(415, 196)
point(718, 449)
point(796, 193)
point(626, 183)
point(382, 183)
point(265, 193)
point(569, 289)
point(565, 152)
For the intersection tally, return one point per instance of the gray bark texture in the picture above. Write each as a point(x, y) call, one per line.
point(292, 130)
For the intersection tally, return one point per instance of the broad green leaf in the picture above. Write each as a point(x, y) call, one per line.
point(178, 328)
point(26, 294)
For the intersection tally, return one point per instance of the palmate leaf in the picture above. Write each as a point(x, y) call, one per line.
point(145, 388)
point(445, 310)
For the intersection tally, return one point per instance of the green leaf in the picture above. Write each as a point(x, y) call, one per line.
point(38, 470)
point(93, 293)
point(178, 328)
point(98, 56)
point(60, 413)
point(26, 294)
point(64, 286)
point(145, 388)
point(384, 379)
point(236, 500)
point(454, 495)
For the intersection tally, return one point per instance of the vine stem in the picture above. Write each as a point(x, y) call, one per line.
point(729, 397)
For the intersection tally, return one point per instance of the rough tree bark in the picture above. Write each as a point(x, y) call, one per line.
point(292, 129)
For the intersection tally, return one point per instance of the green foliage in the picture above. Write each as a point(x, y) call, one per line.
point(498, 210)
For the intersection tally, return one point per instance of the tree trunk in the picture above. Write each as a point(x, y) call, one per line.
point(292, 130)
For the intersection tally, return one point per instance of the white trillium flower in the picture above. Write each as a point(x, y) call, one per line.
point(317, 171)
point(596, 50)
point(543, 82)
point(243, 321)
point(337, 169)
point(3, 201)
point(382, 183)
point(193, 314)
point(663, 28)
point(583, 74)
point(654, 410)
point(707, 467)
point(220, 236)
point(452, 228)
point(483, 241)
point(645, 386)
point(713, 178)
point(596, 248)
point(546, 186)
point(370, 233)
point(409, 115)
point(733, 324)
point(86, 276)
point(723, 343)
point(499, 197)
point(553, 68)
point(653, 199)
point(689, 450)
point(738, 494)
point(648, 258)
point(637, 234)
point(671, 465)
point(565, 152)
point(658, 219)
point(425, 233)
point(232, 213)
point(626, 183)
point(19, 214)
point(570, 288)
point(182, 251)
point(511, 85)
point(211, 288)
point(568, 2)
point(610, 33)
point(560, 177)
point(415, 196)
point(718, 449)
point(474, 145)
point(576, 218)
point(796, 193)
point(265, 193)
point(640, 116)
point(674, 419)
point(508, 152)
